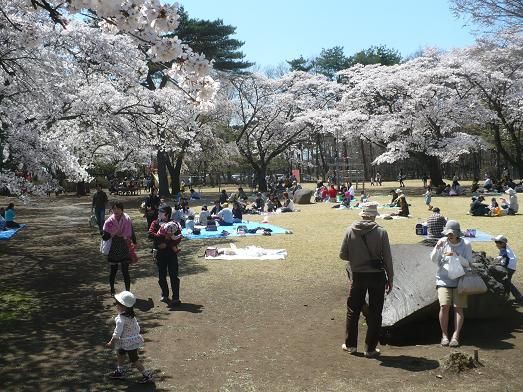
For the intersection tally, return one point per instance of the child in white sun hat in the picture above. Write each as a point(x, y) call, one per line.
point(126, 337)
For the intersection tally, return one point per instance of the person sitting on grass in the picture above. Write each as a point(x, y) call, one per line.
point(194, 195)
point(223, 196)
point(10, 216)
point(237, 213)
point(435, 224)
point(288, 204)
point(217, 208)
point(259, 203)
point(477, 208)
point(204, 214)
point(404, 206)
point(225, 216)
point(512, 205)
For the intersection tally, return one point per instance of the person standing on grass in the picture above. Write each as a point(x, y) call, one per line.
point(119, 229)
point(126, 337)
point(452, 245)
point(99, 202)
point(366, 248)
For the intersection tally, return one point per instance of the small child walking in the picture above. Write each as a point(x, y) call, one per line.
point(126, 337)
point(428, 198)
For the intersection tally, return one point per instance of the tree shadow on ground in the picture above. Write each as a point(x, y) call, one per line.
point(57, 342)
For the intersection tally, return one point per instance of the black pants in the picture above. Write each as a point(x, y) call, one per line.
point(125, 273)
point(169, 265)
point(374, 283)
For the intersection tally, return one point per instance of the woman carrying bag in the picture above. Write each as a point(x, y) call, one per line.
point(119, 229)
point(445, 254)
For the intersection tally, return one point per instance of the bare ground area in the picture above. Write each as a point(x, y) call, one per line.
point(243, 325)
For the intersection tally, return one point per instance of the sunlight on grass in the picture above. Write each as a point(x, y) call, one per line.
point(16, 305)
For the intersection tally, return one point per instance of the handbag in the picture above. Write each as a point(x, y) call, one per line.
point(471, 283)
point(132, 252)
point(376, 263)
point(105, 246)
point(455, 269)
point(92, 221)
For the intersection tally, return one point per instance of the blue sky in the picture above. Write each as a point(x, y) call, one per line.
point(275, 31)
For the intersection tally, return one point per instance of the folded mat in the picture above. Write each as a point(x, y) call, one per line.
point(248, 253)
point(233, 231)
point(8, 234)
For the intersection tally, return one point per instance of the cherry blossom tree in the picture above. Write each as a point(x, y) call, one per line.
point(492, 13)
point(493, 69)
point(272, 115)
point(415, 109)
point(69, 90)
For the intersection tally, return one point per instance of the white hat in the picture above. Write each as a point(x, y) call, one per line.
point(399, 190)
point(510, 191)
point(500, 238)
point(452, 226)
point(126, 298)
point(370, 209)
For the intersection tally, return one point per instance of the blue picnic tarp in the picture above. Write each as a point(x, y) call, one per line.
point(232, 230)
point(8, 234)
point(481, 236)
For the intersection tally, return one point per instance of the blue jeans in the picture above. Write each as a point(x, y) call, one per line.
point(99, 213)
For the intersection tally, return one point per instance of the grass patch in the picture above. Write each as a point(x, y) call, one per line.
point(16, 305)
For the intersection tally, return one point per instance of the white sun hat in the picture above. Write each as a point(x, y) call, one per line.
point(126, 298)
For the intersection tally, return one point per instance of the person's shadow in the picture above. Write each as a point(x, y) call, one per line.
point(407, 362)
point(144, 305)
point(187, 307)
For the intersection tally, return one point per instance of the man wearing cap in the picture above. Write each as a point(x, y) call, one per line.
point(366, 248)
point(507, 259)
point(435, 224)
point(448, 295)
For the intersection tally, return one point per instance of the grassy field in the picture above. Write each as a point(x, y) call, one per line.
point(244, 325)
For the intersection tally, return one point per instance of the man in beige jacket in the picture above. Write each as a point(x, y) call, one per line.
point(366, 248)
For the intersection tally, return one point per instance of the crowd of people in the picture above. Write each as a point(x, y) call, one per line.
point(365, 247)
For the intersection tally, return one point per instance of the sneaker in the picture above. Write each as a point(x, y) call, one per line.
point(176, 302)
point(117, 375)
point(372, 354)
point(146, 379)
point(444, 341)
point(454, 343)
point(164, 299)
point(350, 350)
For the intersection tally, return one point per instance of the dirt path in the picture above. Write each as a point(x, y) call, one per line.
point(244, 326)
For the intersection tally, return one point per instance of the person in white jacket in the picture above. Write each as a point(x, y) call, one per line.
point(450, 246)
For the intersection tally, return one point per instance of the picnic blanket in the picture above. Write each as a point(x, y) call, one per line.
point(249, 253)
point(360, 206)
point(481, 236)
point(8, 234)
point(233, 231)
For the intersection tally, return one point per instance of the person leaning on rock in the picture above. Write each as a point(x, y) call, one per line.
point(366, 248)
point(508, 260)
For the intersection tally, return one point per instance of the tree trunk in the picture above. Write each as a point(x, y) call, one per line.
point(434, 167)
point(175, 171)
point(163, 183)
point(261, 172)
point(364, 160)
